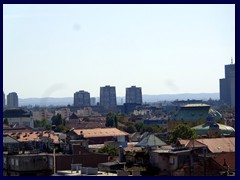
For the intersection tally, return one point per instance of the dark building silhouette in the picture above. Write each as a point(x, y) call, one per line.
point(81, 99)
point(108, 98)
point(227, 86)
point(134, 95)
point(12, 100)
point(3, 100)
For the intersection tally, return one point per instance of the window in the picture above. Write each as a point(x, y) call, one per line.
point(172, 160)
point(16, 162)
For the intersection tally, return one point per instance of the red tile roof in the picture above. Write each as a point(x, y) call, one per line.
point(100, 132)
point(33, 136)
point(229, 158)
point(5, 126)
point(195, 144)
point(215, 145)
point(183, 142)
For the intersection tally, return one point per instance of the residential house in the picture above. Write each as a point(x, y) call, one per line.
point(10, 144)
point(18, 117)
point(36, 140)
point(99, 135)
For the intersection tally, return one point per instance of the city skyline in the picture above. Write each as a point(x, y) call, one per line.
point(56, 50)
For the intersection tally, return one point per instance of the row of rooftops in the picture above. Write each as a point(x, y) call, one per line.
point(29, 135)
point(215, 145)
point(33, 136)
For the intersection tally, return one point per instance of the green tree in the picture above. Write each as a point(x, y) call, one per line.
point(130, 129)
point(157, 128)
point(147, 128)
point(37, 123)
point(111, 120)
point(48, 127)
point(62, 128)
point(57, 120)
point(115, 124)
point(111, 150)
point(44, 123)
point(5, 121)
point(182, 132)
point(121, 118)
point(138, 126)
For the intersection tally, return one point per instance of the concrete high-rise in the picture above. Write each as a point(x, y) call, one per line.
point(134, 95)
point(93, 101)
point(12, 100)
point(108, 98)
point(3, 100)
point(227, 86)
point(81, 99)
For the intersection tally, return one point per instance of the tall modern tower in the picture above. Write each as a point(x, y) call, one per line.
point(81, 99)
point(3, 100)
point(12, 100)
point(134, 95)
point(108, 98)
point(227, 85)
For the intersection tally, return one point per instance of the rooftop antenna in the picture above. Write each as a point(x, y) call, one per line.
point(231, 60)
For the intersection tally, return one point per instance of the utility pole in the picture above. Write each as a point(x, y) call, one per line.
point(204, 170)
point(54, 161)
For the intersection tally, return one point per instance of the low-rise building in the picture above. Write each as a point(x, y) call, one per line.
point(42, 114)
point(198, 157)
point(18, 117)
point(193, 115)
point(39, 141)
point(212, 129)
point(87, 111)
point(100, 135)
point(10, 144)
point(64, 112)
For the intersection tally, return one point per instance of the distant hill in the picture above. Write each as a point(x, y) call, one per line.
point(46, 101)
point(185, 96)
point(146, 98)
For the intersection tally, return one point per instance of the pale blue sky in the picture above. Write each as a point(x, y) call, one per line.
point(56, 50)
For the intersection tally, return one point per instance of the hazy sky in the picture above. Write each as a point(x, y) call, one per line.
point(56, 50)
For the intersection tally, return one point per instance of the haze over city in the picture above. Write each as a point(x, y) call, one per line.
point(56, 50)
point(119, 90)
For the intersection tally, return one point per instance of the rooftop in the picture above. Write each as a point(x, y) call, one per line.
point(73, 116)
point(215, 145)
point(9, 139)
point(16, 113)
point(196, 112)
point(204, 128)
point(150, 141)
point(196, 105)
point(228, 157)
point(100, 132)
point(33, 136)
